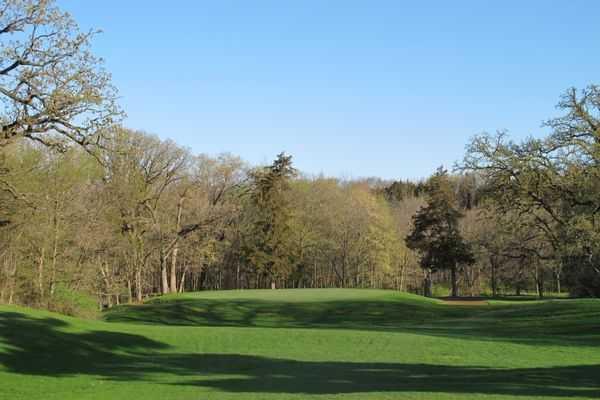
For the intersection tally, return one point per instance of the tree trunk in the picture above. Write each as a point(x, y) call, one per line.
point(182, 281)
point(13, 280)
point(237, 275)
point(494, 284)
point(163, 273)
point(107, 282)
point(41, 274)
point(174, 269)
point(427, 284)
point(454, 281)
point(173, 287)
point(404, 264)
point(54, 247)
point(5, 283)
point(138, 283)
point(129, 291)
point(539, 281)
point(53, 265)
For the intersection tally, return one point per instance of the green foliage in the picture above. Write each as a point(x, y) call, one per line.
point(440, 290)
point(267, 239)
point(552, 184)
point(54, 90)
point(400, 190)
point(436, 234)
point(74, 303)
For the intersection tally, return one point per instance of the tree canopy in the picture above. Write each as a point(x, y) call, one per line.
point(52, 86)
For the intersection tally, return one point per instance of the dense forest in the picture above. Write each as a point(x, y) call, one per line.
point(91, 208)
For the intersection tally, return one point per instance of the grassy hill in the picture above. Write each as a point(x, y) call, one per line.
point(296, 344)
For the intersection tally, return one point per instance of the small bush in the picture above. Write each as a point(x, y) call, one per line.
point(584, 282)
point(74, 303)
point(441, 290)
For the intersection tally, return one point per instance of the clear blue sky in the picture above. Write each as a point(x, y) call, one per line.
point(353, 89)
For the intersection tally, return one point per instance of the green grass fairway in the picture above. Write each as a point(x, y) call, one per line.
point(299, 344)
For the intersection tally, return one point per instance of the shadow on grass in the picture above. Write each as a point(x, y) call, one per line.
point(41, 347)
point(267, 375)
point(45, 347)
point(550, 323)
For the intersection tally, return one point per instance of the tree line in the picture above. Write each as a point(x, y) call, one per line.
point(89, 206)
point(153, 218)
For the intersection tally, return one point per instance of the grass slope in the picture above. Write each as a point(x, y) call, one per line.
point(296, 344)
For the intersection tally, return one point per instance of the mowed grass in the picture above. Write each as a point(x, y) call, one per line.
point(297, 344)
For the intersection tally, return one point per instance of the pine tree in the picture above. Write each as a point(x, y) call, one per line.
point(268, 234)
point(436, 235)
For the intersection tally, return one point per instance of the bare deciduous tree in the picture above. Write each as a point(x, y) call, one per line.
point(52, 87)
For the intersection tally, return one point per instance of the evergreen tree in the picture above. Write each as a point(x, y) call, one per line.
point(268, 234)
point(436, 235)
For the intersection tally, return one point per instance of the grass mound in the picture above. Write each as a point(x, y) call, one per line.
point(313, 308)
